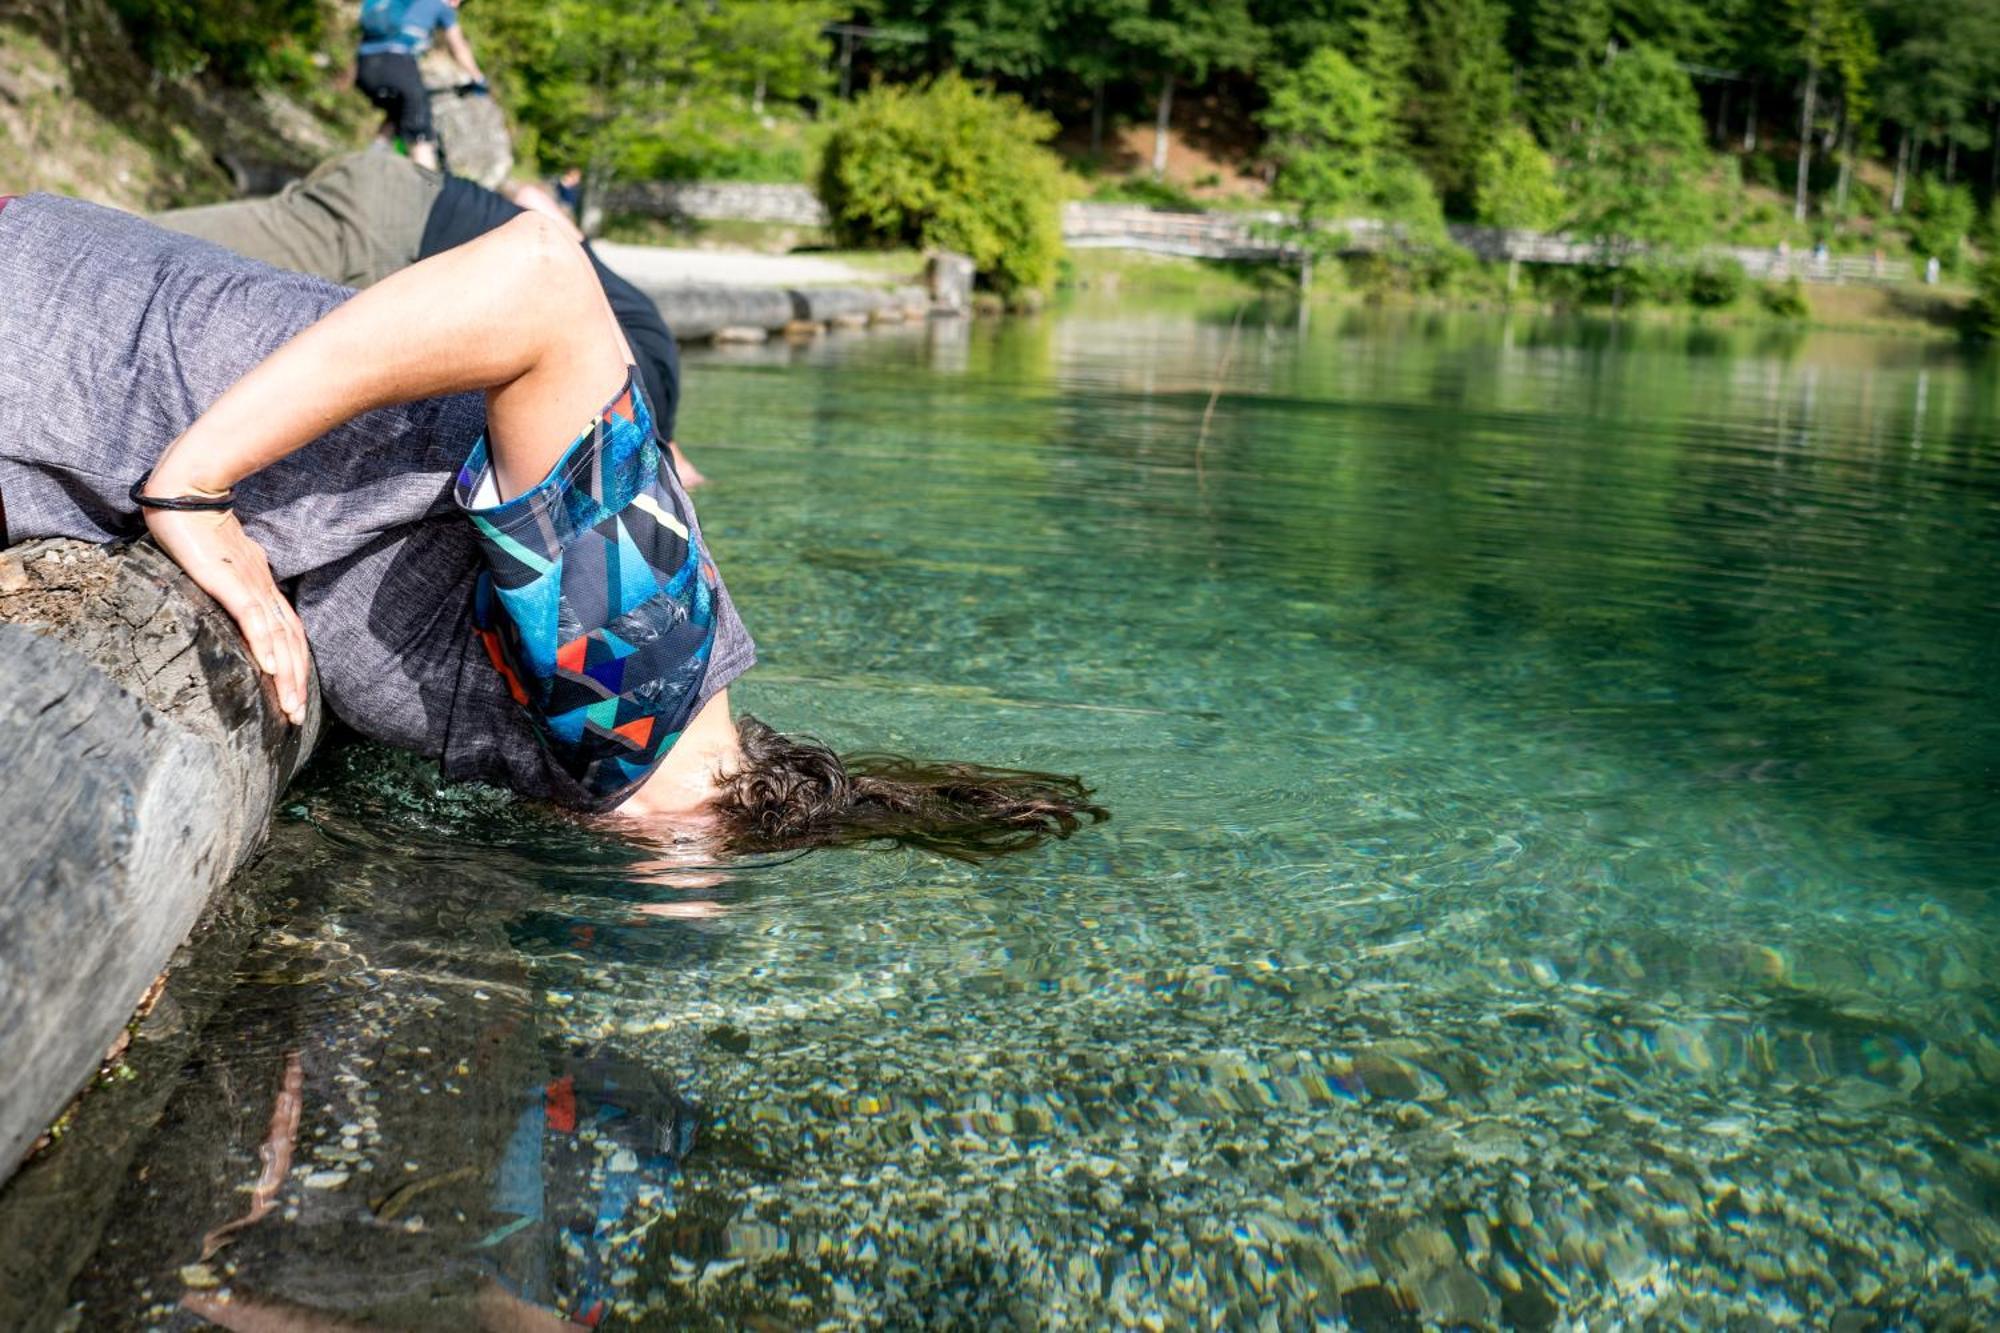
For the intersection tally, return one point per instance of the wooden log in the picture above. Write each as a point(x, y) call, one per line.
point(143, 752)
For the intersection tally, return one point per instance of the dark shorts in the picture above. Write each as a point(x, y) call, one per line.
point(596, 603)
point(392, 82)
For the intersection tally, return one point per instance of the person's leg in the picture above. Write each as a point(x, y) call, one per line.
point(385, 200)
point(267, 230)
point(355, 220)
point(371, 79)
point(394, 83)
point(537, 200)
point(414, 122)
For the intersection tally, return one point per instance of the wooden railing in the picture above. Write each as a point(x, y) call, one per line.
point(1259, 235)
point(1246, 235)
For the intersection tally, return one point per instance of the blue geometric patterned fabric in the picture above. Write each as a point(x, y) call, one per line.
point(597, 604)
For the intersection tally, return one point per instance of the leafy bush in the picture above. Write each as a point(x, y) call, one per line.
point(1615, 285)
point(1943, 216)
point(717, 142)
point(951, 165)
point(244, 42)
point(1404, 195)
point(1514, 183)
point(1716, 282)
point(1645, 279)
point(1328, 131)
point(677, 88)
point(1638, 175)
point(1786, 300)
point(1982, 317)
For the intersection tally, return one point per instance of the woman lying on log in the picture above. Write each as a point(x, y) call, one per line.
point(392, 487)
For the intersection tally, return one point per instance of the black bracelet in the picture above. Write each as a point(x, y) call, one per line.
point(182, 504)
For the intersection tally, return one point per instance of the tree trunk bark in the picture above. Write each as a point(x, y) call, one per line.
point(1160, 126)
point(1846, 165)
point(1950, 160)
point(144, 753)
point(1902, 171)
point(1096, 116)
point(1805, 141)
point(1750, 121)
point(1993, 157)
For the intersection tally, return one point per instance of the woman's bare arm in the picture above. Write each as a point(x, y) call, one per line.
point(461, 51)
point(516, 313)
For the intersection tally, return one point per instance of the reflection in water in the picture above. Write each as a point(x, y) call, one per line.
point(1551, 876)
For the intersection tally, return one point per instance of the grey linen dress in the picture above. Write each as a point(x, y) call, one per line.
point(116, 334)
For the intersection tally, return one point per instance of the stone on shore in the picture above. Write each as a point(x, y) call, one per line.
point(471, 128)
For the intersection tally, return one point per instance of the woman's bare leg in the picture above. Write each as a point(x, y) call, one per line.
point(516, 312)
point(537, 200)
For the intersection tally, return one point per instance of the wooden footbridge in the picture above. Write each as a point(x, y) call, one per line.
point(1260, 236)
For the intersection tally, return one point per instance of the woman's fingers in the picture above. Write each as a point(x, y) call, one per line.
point(278, 643)
point(254, 619)
point(279, 639)
point(294, 699)
point(281, 656)
point(231, 568)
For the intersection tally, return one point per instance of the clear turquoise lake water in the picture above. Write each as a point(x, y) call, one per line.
point(1552, 883)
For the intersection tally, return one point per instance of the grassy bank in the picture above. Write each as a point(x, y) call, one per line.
point(1904, 310)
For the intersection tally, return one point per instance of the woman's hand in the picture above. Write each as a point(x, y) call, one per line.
point(217, 554)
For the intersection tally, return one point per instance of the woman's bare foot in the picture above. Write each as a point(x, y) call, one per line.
point(690, 475)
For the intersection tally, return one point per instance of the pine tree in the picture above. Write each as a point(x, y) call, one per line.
point(1463, 84)
point(1328, 133)
point(1634, 175)
point(1379, 37)
point(1565, 45)
point(1297, 28)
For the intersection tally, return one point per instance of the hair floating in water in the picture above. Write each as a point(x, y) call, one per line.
point(793, 792)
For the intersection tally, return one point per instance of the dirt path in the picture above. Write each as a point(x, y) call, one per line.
point(659, 266)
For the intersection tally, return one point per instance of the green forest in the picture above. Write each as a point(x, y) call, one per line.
point(1865, 125)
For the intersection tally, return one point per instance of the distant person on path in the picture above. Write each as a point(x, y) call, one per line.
point(443, 497)
point(361, 217)
point(569, 192)
point(393, 34)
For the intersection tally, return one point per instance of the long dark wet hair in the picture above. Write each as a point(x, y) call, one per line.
point(794, 792)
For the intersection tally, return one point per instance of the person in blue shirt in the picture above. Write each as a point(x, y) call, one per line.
point(393, 34)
